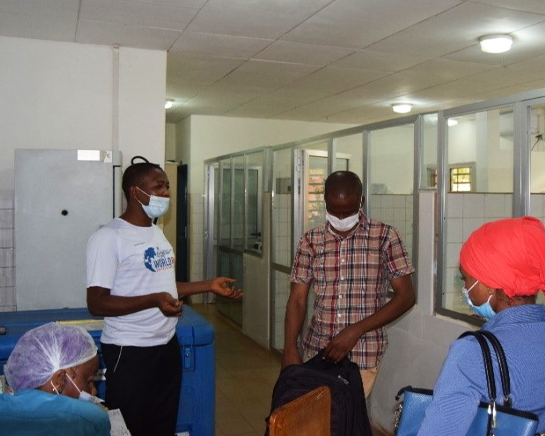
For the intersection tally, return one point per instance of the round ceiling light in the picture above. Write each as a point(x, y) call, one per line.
point(495, 43)
point(168, 103)
point(452, 122)
point(402, 108)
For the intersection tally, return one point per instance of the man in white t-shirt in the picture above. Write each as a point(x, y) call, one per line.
point(131, 282)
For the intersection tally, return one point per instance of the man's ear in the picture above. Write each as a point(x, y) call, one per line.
point(59, 379)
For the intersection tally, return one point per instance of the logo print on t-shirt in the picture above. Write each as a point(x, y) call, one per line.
point(158, 260)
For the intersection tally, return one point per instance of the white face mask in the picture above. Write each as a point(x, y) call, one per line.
point(85, 396)
point(157, 206)
point(342, 225)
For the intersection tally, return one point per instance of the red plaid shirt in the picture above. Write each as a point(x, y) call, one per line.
point(351, 277)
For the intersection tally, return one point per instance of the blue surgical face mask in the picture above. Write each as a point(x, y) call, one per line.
point(157, 206)
point(485, 310)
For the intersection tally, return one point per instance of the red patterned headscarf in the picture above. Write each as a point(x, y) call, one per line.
point(507, 254)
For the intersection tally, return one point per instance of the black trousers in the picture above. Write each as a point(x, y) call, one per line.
point(144, 383)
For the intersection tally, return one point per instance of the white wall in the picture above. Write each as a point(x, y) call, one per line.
point(59, 95)
point(170, 141)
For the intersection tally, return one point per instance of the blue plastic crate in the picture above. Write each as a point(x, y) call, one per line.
point(197, 341)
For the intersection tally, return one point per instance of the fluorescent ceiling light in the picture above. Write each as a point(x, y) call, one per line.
point(168, 103)
point(452, 122)
point(402, 108)
point(495, 43)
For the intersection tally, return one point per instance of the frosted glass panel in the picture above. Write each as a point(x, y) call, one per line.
point(428, 157)
point(349, 154)
point(238, 218)
point(254, 172)
point(225, 213)
point(480, 152)
point(282, 210)
point(391, 162)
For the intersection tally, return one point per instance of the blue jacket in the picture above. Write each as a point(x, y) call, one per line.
point(462, 383)
point(32, 412)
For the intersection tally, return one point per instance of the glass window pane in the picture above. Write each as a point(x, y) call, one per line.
point(225, 212)
point(391, 161)
point(428, 157)
point(254, 174)
point(537, 172)
point(482, 144)
point(480, 185)
point(282, 207)
point(238, 219)
point(315, 174)
point(349, 154)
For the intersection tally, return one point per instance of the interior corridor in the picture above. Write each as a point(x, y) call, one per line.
point(245, 377)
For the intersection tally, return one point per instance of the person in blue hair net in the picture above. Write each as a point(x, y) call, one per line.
point(51, 371)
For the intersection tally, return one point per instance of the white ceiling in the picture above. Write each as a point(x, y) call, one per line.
point(313, 60)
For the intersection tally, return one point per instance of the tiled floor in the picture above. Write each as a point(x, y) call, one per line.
point(245, 377)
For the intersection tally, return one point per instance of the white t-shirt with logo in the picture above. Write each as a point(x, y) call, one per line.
point(133, 261)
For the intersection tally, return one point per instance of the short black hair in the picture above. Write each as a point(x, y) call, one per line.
point(343, 183)
point(134, 174)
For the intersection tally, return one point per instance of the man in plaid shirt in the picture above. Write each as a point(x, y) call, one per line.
point(350, 260)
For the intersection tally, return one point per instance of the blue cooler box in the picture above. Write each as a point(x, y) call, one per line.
point(196, 336)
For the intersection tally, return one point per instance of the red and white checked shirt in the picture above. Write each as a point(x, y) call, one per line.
point(351, 278)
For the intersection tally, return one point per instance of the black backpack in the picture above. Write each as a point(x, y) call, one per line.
point(348, 407)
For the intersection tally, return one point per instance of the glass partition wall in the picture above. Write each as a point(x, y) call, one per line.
point(491, 167)
point(486, 161)
point(234, 190)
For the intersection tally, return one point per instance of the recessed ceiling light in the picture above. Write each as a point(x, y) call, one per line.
point(168, 103)
point(402, 108)
point(495, 43)
point(452, 122)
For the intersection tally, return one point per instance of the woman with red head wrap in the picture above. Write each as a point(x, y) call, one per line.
point(503, 267)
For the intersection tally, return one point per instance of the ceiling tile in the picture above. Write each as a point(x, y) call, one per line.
point(377, 61)
point(506, 76)
point(184, 91)
point(231, 94)
point(527, 44)
point(535, 6)
point(534, 63)
point(260, 19)
point(195, 4)
point(199, 68)
point(206, 106)
point(275, 102)
point(267, 74)
point(446, 70)
point(285, 51)
point(219, 45)
point(39, 19)
point(363, 115)
point(455, 29)
point(130, 36)
point(333, 80)
point(356, 23)
point(137, 13)
point(260, 108)
point(298, 97)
